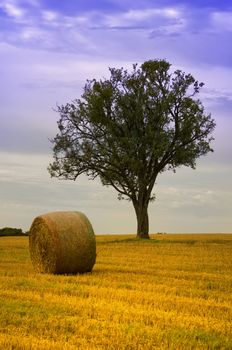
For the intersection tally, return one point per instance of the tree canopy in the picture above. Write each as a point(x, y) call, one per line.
point(131, 127)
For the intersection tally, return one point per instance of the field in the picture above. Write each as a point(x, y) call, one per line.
point(171, 292)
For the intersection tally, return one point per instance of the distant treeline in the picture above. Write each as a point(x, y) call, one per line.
point(11, 231)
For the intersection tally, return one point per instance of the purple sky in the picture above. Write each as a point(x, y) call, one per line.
point(49, 48)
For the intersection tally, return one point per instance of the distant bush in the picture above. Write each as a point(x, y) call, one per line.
point(10, 231)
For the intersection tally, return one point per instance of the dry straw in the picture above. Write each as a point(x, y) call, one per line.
point(62, 243)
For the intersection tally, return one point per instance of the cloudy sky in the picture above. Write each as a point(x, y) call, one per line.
point(49, 48)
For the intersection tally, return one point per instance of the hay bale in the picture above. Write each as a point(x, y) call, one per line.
point(62, 243)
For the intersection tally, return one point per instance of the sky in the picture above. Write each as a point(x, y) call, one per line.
point(49, 48)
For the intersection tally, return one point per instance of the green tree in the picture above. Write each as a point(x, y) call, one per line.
point(11, 231)
point(131, 127)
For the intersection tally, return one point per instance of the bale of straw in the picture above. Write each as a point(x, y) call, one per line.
point(62, 243)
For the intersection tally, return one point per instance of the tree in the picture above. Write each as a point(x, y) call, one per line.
point(11, 231)
point(131, 127)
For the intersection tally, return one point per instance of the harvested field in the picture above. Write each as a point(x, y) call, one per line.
point(171, 292)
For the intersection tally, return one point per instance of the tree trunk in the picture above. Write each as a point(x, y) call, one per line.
point(142, 220)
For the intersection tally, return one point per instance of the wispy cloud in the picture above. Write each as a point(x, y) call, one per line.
point(49, 16)
point(38, 26)
point(13, 10)
point(143, 17)
point(222, 21)
point(49, 48)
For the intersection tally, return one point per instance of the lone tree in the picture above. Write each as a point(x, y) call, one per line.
point(129, 128)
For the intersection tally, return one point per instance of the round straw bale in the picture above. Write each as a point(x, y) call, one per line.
point(62, 243)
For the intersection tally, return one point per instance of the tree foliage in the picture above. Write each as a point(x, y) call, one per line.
point(129, 128)
point(11, 231)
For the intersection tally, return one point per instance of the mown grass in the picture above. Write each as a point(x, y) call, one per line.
point(171, 292)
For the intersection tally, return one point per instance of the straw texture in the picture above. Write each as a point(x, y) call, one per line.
point(62, 243)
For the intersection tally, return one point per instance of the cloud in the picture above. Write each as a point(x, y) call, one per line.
point(192, 198)
point(218, 88)
point(48, 50)
point(199, 198)
point(42, 28)
point(217, 100)
point(177, 32)
point(28, 191)
point(144, 16)
point(34, 84)
point(49, 16)
point(135, 19)
point(169, 30)
point(12, 10)
point(222, 21)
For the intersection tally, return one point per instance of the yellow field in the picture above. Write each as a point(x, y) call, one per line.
point(172, 292)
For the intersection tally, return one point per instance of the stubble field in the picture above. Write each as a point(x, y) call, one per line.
point(171, 292)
